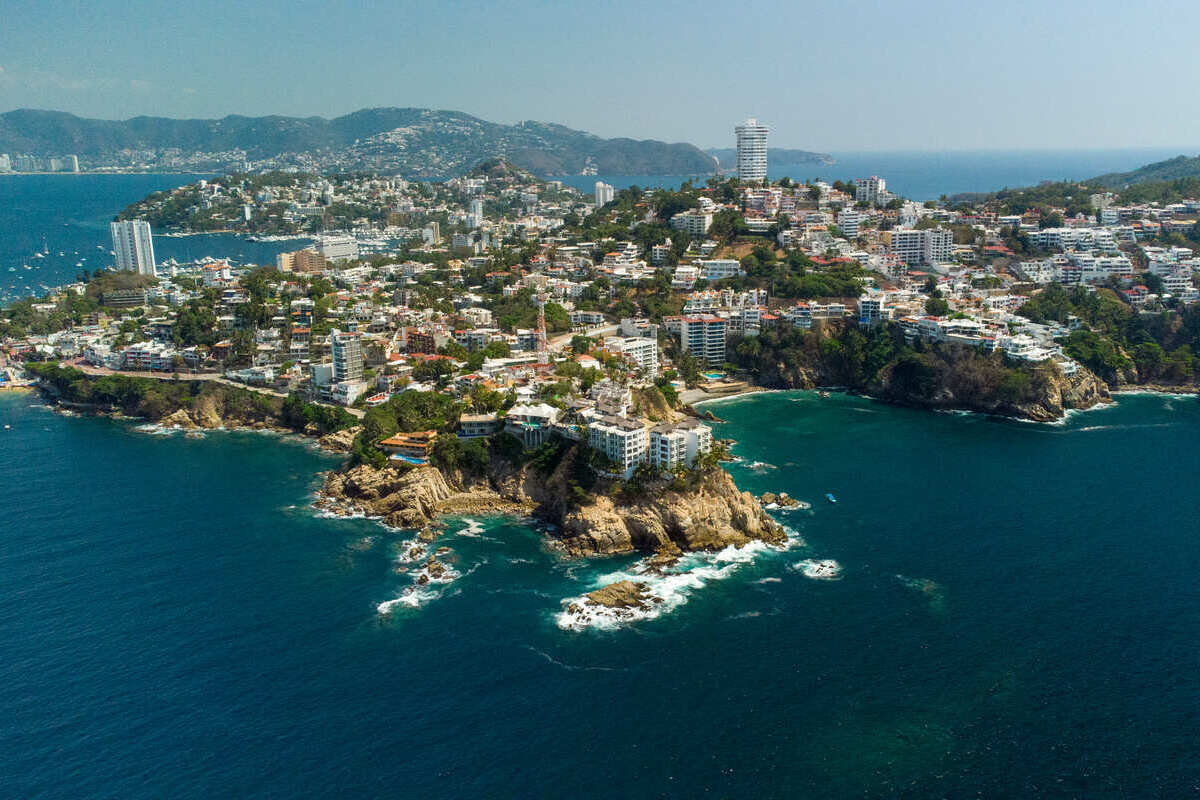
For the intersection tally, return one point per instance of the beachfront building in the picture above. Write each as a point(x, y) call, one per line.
point(704, 337)
point(531, 423)
point(678, 444)
point(411, 448)
point(623, 440)
point(133, 245)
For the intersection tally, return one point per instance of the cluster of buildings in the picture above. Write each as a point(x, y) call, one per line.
point(421, 290)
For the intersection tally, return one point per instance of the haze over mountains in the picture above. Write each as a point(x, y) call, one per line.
point(412, 142)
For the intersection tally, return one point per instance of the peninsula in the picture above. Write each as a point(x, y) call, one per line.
point(501, 342)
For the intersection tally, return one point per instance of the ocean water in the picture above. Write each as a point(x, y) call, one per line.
point(69, 214)
point(927, 175)
point(991, 608)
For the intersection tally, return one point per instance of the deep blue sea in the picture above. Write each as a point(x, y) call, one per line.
point(927, 175)
point(1017, 615)
point(69, 214)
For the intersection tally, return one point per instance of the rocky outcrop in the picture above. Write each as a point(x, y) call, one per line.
point(622, 594)
point(710, 516)
point(405, 499)
point(707, 514)
point(178, 419)
point(339, 441)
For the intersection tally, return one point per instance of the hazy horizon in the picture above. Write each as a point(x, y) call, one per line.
point(874, 77)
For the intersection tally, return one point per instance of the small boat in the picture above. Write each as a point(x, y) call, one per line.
point(823, 394)
point(830, 497)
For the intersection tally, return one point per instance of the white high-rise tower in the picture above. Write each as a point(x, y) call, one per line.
point(133, 246)
point(751, 151)
point(604, 194)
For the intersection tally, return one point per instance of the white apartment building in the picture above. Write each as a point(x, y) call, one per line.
point(751, 150)
point(346, 349)
point(693, 222)
point(640, 351)
point(923, 247)
point(338, 248)
point(134, 246)
point(848, 221)
point(680, 444)
point(872, 190)
point(704, 337)
point(623, 440)
point(604, 194)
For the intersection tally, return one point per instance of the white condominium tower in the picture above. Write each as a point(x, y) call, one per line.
point(133, 246)
point(604, 194)
point(751, 151)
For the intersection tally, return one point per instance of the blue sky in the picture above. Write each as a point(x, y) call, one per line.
point(827, 76)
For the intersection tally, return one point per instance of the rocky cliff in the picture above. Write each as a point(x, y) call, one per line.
point(1046, 397)
point(709, 513)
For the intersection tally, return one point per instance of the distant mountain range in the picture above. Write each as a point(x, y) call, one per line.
point(1169, 170)
point(412, 142)
point(776, 157)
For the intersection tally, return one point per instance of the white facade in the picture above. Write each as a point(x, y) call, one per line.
point(704, 337)
point(623, 440)
point(929, 246)
point(604, 194)
point(871, 190)
point(848, 221)
point(695, 223)
point(338, 248)
point(133, 245)
point(751, 150)
point(640, 351)
point(347, 356)
point(678, 445)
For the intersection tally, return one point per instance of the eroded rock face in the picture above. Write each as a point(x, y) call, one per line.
point(178, 419)
point(408, 498)
point(339, 441)
point(710, 515)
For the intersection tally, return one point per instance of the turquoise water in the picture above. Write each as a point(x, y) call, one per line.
point(1016, 614)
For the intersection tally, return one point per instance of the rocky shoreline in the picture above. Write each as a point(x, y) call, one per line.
point(707, 515)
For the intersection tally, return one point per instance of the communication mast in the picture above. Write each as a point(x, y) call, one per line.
point(543, 344)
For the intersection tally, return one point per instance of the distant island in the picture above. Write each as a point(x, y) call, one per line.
point(408, 142)
point(776, 157)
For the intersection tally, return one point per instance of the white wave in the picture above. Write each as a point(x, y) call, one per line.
point(770, 579)
point(666, 590)
point(820, 569)
point(760, 466)
point(411, 597)
point(154, 429)
point(325, 513)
